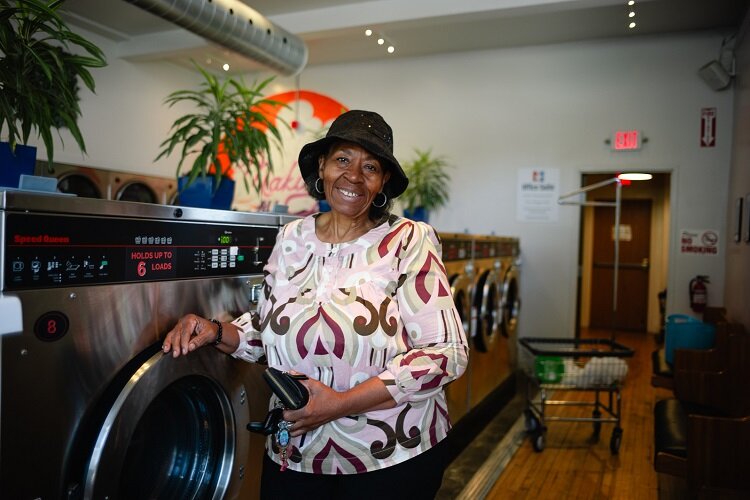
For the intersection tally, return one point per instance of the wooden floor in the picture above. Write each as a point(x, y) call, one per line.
point(573, 464)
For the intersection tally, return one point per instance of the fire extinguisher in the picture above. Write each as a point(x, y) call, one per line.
point(698, 293)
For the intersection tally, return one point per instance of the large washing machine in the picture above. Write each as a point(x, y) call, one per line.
point(490, 364)
point(103, 184)
point(90, 407)
point(457, 249)
point(508, 250)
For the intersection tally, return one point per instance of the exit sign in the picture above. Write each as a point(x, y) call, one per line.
point(626, 140)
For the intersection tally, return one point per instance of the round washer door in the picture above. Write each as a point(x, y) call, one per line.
point(174, 432)
point(80, 185)
point(485, 310)
point(136, 191)
point(461, 292)
point(510, 303)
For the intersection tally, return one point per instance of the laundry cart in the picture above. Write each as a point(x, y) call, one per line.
point(596, 366)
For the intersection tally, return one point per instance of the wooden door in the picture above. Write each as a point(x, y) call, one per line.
point(632, 291)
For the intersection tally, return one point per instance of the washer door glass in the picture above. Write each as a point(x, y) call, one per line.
point(137, 191)
point(171, 433)
point(79, 185)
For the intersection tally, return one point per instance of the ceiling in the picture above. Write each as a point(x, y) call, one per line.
point(333, 30)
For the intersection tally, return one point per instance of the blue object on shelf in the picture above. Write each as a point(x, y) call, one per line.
point(13, 165)
point(686, 332)
point(197, 194)
point(418, 214)
point(223, 196)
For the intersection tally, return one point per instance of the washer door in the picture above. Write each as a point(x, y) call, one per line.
point(173, 432)
point(136, 191)
point(485, 310)
point(80, 185)
point(461, 292)
point(510, 303)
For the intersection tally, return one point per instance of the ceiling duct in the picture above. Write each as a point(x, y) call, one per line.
point(234, 25)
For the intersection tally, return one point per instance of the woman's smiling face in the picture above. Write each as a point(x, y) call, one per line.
point(352, 177)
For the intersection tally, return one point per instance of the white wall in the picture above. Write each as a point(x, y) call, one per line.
point(492, 113)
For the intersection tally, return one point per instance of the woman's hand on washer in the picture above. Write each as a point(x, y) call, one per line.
point(193, 331)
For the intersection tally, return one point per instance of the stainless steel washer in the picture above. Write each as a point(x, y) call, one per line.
point(90, 408)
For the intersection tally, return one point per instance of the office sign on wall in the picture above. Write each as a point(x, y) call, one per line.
point(538, 190)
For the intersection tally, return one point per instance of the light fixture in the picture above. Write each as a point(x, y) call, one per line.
point(368, 32)
point(225, 66)
point(381, 41)
point(391, 49)
point(632, 14)
point(631, 2)
point(635, 176)
point(631, 25)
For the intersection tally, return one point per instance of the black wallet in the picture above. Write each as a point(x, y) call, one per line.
point(292, 394)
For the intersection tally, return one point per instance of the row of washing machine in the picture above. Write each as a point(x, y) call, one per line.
point(483, 272)
point(88, 182)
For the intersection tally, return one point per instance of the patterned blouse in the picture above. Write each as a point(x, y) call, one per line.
point(341, 313)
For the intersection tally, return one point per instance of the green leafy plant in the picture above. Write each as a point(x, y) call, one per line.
point(38, 76)
point(229, 122)
point(428, 181)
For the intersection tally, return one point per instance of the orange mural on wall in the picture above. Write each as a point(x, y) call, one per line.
point(308, 114)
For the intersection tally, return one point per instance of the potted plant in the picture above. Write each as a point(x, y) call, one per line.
point(428, 185)
point(230, 128)
point(39, 80)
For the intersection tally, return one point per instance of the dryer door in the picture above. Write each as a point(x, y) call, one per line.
point(485, 309)
point(175, 431)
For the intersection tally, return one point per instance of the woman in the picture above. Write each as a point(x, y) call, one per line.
point(357, 300)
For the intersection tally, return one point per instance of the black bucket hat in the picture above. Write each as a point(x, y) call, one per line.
point(369, 130)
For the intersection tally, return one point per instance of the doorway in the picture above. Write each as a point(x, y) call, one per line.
point(643, 255)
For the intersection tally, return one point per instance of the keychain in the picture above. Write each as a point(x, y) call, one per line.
point(282, 441)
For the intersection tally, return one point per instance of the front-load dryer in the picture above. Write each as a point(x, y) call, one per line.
point(85, 182)
point(128, 186)
point(90, 407)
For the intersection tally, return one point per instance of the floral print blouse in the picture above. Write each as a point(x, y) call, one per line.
point(378, 306)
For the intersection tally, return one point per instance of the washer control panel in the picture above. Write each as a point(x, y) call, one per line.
point(47, 250)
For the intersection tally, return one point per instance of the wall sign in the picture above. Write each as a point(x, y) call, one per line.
point(699, 241)
point(708, 127)
point(626, 140)
point(538, 190)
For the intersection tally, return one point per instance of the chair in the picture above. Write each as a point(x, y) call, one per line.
point(700, 435)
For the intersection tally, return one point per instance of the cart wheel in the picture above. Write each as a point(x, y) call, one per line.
point(531, 423)
point(537, 441)
point(597, 425)
point(615, 441)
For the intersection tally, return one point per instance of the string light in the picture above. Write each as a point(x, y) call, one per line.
point(381, 40)
point(631, 13)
